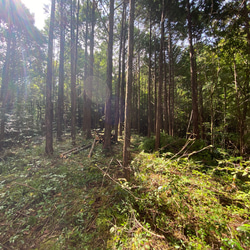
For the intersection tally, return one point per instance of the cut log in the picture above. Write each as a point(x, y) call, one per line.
point(92, 148)
point(73, 151)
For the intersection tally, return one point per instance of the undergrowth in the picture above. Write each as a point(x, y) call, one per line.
point(173, 200)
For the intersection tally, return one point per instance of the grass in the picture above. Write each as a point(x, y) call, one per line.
point(84, 203)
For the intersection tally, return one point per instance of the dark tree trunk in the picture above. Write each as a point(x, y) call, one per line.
point(127, 127)
point(61, 74)
point(108, 122)
point(49, 82)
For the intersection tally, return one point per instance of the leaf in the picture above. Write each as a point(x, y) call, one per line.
point(244, 228)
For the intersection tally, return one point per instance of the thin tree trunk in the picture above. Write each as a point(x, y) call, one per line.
point(73, 74)
point(5, 84)
point(160, 84)
point(85, 92)
point(193, 72)
point(91, 72)
point(107, 133)
point(122, 103)
point(155, 84)
point(49, 106)
point(150, 80)
point(118, 85)
point(61, 74)
point(127, 128)
point(171, 82)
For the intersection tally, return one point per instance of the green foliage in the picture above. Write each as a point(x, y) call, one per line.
point(84, 203)
point(193, 210)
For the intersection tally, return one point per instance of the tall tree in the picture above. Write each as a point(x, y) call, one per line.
point(193, 72)
point(129, 80)
point(107, 133)
point(150, 122)
point(5, 82)
point(118, 85)
point(86, 93)
point(49, 82)
point(73, 71)
point(160, 84)
point(61, 72)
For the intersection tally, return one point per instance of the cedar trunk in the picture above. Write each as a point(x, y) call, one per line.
point(49, 106)
point(107, 133)
point(128, 104)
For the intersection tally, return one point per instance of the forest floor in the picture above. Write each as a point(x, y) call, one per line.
point(179, 199)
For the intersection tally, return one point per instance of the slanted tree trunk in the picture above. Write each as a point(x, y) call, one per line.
point(107, 133)
point(158, 125)
point(128, 104)
point(49, 82)
point(61, 73)
point(193, 72)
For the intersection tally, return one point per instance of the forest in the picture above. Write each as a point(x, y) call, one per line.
point(125, 125)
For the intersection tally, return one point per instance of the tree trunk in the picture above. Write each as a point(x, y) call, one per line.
point(193, 72)
point(85, 122)
point(73, 73)
point(150, 81)
point(91, 73)
point(118, 85)
point(158, 125)
point(139, 93)
point(5, 83)
point(171, 82)
point(49, 105)
point(61, 74)
point(127, 128)
point(108, 122)
point(122, 103)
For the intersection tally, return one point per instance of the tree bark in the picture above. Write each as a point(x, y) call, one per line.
point(73, 73)
point(108, 122)
point(128, 104)
point(5, 83)
point(158, 125)
point(118, 85)
point(61, 73)
point(150, 81)
point(122, 103)
point(193, 72)
point(85, 122)
point(49, 82)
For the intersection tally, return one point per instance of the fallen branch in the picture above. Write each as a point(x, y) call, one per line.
point(117, 183)
point(92, 148)
point(73, 151)
point(144, 228)
point(195, 152)
point(25, 185)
